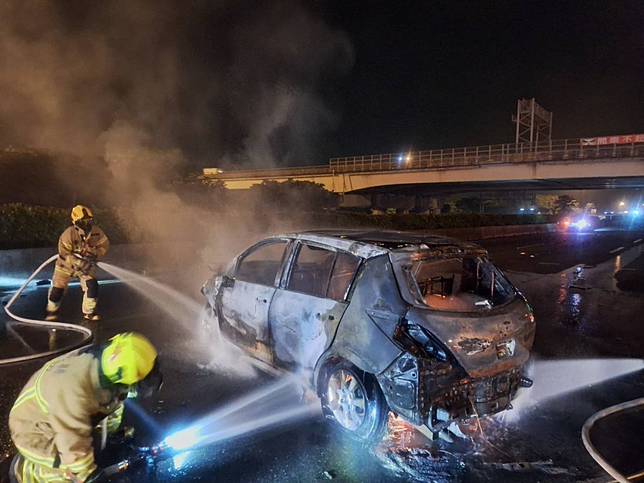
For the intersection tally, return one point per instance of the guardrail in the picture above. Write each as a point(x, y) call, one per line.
point(273, 172)
point(567, 149)
point(557, 150)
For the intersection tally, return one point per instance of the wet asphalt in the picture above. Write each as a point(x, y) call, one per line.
point(584, 311)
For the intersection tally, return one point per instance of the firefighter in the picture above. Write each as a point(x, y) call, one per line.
point(79, 248)
point(53, 420)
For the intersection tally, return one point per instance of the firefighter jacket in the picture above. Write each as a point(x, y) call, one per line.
point(74, 241)
point(51, 422)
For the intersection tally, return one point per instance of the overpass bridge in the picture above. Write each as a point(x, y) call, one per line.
point(614, 161)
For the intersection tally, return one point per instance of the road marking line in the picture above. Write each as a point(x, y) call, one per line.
point(616, 250)
point(637, 241)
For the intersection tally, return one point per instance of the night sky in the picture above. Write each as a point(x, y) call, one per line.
point(439, 74)
point(241, 83)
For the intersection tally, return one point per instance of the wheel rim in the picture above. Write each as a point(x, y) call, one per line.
point(346, 399)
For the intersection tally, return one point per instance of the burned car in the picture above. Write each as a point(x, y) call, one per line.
point(420, 325)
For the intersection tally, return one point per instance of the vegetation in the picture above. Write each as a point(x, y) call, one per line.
point(305, 195)
point(565, 204)
point(27, 226)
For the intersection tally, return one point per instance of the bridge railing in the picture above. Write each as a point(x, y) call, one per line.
point(555, 150)
point(273, 172)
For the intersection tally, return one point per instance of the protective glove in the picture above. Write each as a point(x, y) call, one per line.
point(123, 436)
point(84, 263)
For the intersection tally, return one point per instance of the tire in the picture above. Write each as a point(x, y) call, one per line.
point(353, 402)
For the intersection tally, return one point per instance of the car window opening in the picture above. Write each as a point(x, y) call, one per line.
point(322, 273)
point(465, 284)
point(262, 264)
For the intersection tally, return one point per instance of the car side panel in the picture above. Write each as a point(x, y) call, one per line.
point(302, 326)
point(245, 306)
point(364, 334)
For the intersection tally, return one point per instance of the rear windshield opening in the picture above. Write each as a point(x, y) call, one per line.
point(459, 284)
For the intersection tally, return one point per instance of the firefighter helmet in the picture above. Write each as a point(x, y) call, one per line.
point(128, 358)
point(80, 212)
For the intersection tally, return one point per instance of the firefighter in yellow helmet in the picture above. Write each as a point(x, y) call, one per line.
point(79, 248)
point(54, 418)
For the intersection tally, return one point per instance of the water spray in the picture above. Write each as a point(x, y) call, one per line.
point(558, 377)
point(233, 420)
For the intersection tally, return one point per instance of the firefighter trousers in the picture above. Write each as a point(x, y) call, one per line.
point(59, 283)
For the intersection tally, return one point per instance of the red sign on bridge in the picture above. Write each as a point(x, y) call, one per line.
point(622, 139)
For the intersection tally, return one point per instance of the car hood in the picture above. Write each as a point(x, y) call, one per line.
point(483, 344)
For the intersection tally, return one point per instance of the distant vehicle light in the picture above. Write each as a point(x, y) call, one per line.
point(521, 209)
point(531, 209)
point(581, 224)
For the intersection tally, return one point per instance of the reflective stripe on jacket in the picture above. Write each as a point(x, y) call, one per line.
point(51, 420)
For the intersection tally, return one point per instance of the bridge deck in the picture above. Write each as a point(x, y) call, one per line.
point(559, 150)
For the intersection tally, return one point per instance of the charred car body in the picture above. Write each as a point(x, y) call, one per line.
point(421, 325)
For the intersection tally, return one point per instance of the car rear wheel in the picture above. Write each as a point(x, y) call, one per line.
point(353, 402)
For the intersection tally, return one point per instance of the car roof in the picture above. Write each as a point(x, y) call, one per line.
point(370, 243)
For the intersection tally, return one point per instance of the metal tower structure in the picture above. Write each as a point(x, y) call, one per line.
point(533, 122)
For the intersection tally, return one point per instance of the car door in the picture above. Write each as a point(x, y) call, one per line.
point(309, 304)
point(246, 294)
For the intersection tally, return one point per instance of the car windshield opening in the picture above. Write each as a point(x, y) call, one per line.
point(466, 284)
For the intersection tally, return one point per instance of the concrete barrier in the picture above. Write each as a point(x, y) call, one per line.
point(485, 232)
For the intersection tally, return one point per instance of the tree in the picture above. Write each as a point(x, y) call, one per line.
point(468, 204)
point(546, 203)
point(292, 193)
point(565, 204)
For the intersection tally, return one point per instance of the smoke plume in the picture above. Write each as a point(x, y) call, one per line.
point(219, 81)
point(137, 94)
point(140, 93)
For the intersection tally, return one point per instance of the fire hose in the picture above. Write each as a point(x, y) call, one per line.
point(585, 435)
point(87, 333)
point(148, 455)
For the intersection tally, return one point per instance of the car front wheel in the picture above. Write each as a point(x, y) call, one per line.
point(353, 402)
